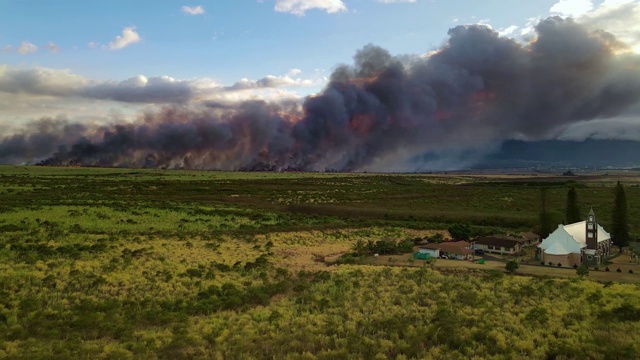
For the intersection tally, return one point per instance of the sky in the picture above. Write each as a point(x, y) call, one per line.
point(225, 42)
point(109, 61)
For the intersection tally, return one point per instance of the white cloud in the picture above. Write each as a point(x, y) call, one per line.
point(529, 28)
point(27, 48)
point(52, 47)
point(396, 1)
point(39, 81)
point(129, 36)
point(573, 8)
point(299, 7)
point(294, 72)
point(7, 48)
point(618, 17)
point(193, 10)
point(92, 44)
point(274, 82)
point(507, 31)
point(621, 128)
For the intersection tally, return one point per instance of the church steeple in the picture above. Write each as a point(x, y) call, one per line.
point(591, 231)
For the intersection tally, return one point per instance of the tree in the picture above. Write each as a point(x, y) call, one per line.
point(436, 238)
point(620, 225)
point(582, 270)
point(460, 231)
point(572, 212)
point(546, 221)
point(359, 247)
point(512, 266)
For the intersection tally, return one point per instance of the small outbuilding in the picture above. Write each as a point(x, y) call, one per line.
point(459, 250)
point(425, 252)
point(499, 245)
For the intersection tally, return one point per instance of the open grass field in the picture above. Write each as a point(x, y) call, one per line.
point(160, 264)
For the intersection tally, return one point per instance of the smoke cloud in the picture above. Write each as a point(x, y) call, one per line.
point(381, 113)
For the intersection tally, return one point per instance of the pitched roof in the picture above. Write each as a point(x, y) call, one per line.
point(560, 242)
point(498, 241)
point(578, 232)
point(530, 236)
point(452, 247)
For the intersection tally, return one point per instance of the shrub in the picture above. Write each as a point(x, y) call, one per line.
point(618, 270)
point(596, 268)
point(606, 269)
point(512, 266)
point(550, 263)
point(582, 270)
point(559, 265)
point(460, 231)
point(630, 271)
point(575, 266)
point(541, 262)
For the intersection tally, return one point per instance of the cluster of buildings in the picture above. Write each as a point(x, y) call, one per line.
point(584, 242)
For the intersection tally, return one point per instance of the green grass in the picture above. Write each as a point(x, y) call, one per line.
point(165, 264)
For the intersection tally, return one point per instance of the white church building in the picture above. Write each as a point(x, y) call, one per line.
point(584, 242)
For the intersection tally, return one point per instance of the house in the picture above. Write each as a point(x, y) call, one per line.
point(530, 238)
point(425, 252)
point(584, 242)
point(460, 250)
point(499, 244)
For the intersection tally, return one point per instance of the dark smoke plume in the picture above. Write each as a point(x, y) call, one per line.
point(376, 114)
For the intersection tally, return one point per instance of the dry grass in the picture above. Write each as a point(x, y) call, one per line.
point(601, 275)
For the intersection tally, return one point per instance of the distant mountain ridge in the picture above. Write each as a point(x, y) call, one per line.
point(598, 153)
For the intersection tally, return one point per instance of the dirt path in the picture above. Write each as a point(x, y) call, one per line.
point(535, 270)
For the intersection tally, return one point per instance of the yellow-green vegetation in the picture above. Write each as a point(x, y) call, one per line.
point(149, 264)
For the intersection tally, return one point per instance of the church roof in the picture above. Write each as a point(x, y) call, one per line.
point(578, 232)
point(570, 238)
point(557, 249)
point(560, 242)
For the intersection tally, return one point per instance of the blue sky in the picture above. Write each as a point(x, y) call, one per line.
point(233, 39)
point(242, 49)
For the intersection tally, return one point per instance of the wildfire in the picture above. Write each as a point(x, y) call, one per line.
point(361, 123)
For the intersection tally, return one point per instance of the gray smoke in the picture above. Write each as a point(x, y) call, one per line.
point(378, 114)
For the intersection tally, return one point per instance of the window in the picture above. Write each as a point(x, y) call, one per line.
point(590, 234)
point(590, 226)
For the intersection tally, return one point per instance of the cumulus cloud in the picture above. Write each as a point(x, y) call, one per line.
point(39, 81)
point(508, 30)
point(620, 18)
point(272, 82)
point(299, 7)
point(27, 48)
point(294, 72)
point(140, 89)
point(193, 10)
point(129, 36)
point(7, 48)
point(573, 8)
point(52, 47)
point(146, 90)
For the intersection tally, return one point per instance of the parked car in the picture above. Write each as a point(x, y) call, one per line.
point(478, 252)
point(444, 257)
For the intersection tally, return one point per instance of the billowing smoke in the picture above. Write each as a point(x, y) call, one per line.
point(379, 114)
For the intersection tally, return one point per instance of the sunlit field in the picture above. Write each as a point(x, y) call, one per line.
point(167, 264)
